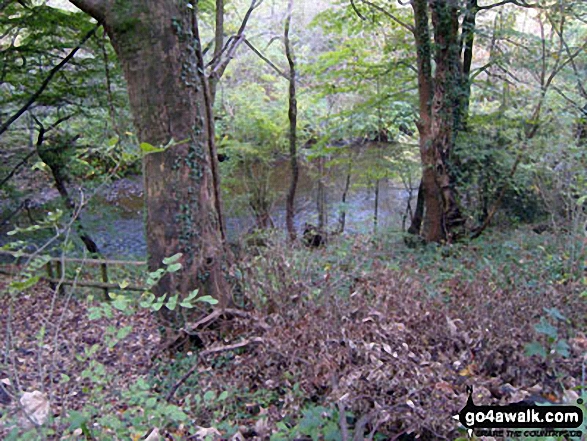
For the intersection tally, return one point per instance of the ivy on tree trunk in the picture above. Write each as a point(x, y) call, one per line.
point(158, 48)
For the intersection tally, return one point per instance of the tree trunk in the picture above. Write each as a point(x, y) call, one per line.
point(218, 44)
point(439, 114)
point(293, 115)
point(345, 192)
point(321, 196)
point(157, 45)
point(416, 221)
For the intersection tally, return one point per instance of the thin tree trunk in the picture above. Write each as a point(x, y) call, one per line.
point(218, 44)
point(52, 156)
point(321, 196)
point(416, 222)
point(376, 207)
point(467, 41)
point(292, 114)
point(111, 109)
point(347, 185)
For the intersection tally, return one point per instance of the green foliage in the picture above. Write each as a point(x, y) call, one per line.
point(318, 423)
point(552, 344)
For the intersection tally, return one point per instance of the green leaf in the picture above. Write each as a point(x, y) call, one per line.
point(77, 419)
point(123, 332)
point(175, 413)
point(147, 148)
point(25, 284)
point(562, 348)
point(174, 267)
point(186, 305)
point(555, 313)
point(209, 395)
point(223, 396)
point(147, 300)
point(172, 302)
point(157, 306)
point(192, 295)
point(120, 303)
point(535, 348)
point(546, 328)
point(207, 299)
point(172, 259)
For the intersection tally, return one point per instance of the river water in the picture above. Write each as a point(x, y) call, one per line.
point(114, 216)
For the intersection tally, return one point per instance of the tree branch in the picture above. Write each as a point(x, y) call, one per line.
point(16, 167)
point(209, 103)
point(213, 350)
point(217, 67)
point(266, 60)
point(390, 15)
point(46, 82)
point(361, 16)
point(96, 8)
point(521, 3)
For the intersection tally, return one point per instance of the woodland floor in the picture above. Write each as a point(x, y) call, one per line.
point(392, 341)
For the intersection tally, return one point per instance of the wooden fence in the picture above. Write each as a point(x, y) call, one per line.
point(54, 267)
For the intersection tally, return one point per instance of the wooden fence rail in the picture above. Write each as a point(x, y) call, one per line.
point(18, 255)
point(55, 267)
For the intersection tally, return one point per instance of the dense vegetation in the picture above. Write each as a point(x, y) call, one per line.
point(350, 212)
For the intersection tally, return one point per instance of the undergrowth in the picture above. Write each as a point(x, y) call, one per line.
point(362, 338)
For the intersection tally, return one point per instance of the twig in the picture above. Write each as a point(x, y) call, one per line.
point(17, 166)
point(216, 65)
point(390, 15)
point(360, 426)
point(217, 313)
point(344, 430)
point(479, 230)
point(213, 350)
point(266, 60)
point(47, 80)
point(361, 16)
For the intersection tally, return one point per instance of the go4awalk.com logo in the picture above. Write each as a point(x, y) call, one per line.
point(521, 420)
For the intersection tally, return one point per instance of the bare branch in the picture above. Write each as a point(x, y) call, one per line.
point(521, 3)
point(479, 230)
point(205, 352)
point(390, 15)
point(361, 16)
point(22, 162)
point(217, 66)
point(46, 82)
point(571, 101)
point(564, 43)
point(209, 103)
point(481, 70)
point(266, 60)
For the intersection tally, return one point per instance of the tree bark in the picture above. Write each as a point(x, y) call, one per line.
point(438, 117)
point(218, 44)
point(345, 192)
point(416, 221)
point(157, 48)
point(293, 115)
